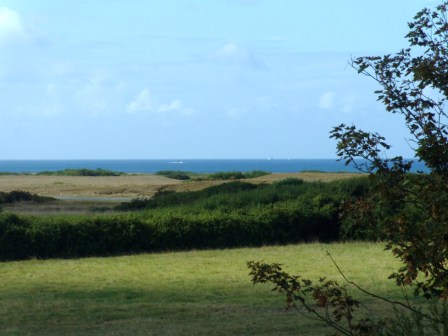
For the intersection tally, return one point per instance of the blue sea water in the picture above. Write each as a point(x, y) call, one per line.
point(195, 166)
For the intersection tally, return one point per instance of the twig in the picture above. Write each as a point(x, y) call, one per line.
point(380, 297)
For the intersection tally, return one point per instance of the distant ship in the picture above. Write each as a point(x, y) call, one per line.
point(176, 162)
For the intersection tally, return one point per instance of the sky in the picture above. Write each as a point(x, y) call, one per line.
point(192, 79)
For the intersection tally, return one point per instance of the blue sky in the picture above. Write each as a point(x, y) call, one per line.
point(150, 79)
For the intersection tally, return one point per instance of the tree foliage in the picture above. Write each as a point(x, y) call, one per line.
point(407, 210)
point(410, 210)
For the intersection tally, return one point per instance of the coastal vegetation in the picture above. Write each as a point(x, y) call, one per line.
point(233, 214)
point(68, 172)
point(219, 176)
point(16, 196)
point(176, 174)
point(81, 172)
point(202, 291)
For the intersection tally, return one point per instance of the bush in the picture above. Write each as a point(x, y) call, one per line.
point(175, 174)
point(226, 176)
point(236, 175)
point(289, 182)
point(82, 172)
point(16, 196)
point(26, 237)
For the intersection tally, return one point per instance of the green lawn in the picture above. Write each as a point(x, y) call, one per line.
point(187, 293)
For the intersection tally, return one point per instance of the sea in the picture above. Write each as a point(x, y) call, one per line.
point(189, 165)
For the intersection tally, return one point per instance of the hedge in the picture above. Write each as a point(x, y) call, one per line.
point(23, 237)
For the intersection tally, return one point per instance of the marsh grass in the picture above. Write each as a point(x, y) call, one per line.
point(142, 185)
point(185, 293)
point(66, 207)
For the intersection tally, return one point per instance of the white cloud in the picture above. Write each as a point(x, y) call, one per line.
point(177, 106)
point(142, 102)
point(12, 28)
point(327, 100)
point(145, 102)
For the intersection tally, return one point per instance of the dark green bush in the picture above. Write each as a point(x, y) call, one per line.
point(58, 237)
point(169, 198)
point(82, 172)
point(135, 204)
point(15, 239)
point(229, 187)
point(289, 182)
point(22, 196)
point(256, 173)
point(226, 176)
point(175, 174)
point(235, 175)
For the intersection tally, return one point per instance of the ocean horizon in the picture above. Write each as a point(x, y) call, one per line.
point(191, 165)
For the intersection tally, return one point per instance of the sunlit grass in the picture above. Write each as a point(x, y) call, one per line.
point(187, 293)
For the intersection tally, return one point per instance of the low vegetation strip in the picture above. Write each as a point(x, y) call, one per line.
point(42, 237)
point(81, 172)
point(233, 214)
point(176, 174)
point(17, 196)
point(237, 175)
point(219, 176)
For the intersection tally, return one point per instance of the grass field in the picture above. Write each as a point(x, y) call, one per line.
point(189, 293)
point(80, 194)
point(130, 185)
point(86, 186)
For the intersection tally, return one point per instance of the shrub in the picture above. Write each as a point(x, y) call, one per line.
point(22, 196)
point(81, 172)
point(289, 182)
point(24, 237)
point(235, 175)
point(175, 174)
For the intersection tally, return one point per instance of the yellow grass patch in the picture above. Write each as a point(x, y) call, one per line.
point(131, 186)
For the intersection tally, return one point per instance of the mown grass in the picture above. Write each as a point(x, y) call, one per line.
point(185, 293)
